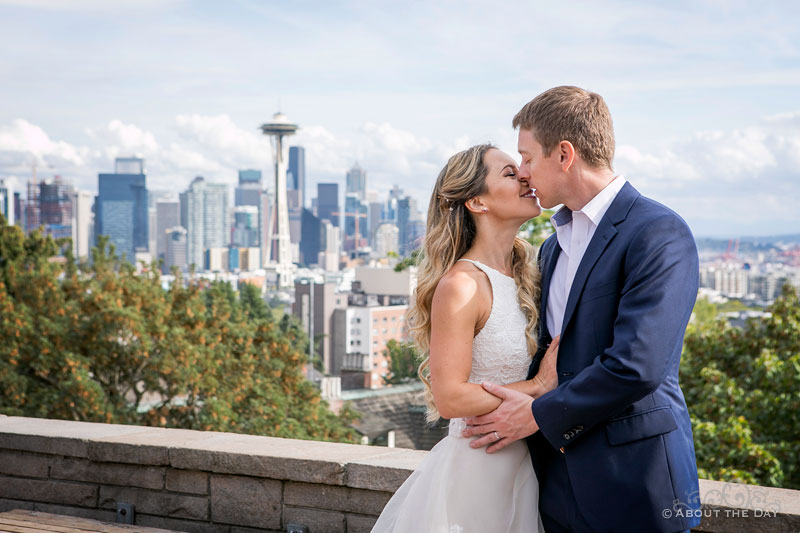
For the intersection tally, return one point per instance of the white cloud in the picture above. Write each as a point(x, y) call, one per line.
point(725, 178)
point(131, 137)
point(222, 139)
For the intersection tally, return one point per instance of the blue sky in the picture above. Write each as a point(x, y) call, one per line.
point(704, 94)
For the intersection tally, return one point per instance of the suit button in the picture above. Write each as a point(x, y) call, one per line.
point(566, 436)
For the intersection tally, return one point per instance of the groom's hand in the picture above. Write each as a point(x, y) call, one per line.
point(511, 421)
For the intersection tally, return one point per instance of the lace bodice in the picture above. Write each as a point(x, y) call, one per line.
point(499, 351)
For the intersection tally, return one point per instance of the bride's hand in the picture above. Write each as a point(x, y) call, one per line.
point(547, 377)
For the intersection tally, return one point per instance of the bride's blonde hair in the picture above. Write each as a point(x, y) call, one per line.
point(449, 234)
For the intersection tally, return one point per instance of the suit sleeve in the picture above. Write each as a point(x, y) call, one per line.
point(657, 297)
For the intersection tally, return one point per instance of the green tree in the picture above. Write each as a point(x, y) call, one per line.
point(404, 360)
point(742, 387)
point(407, 262)
point(536, 230)
point(98, 342)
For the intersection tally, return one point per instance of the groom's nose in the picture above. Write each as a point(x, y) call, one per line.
point(523, 173)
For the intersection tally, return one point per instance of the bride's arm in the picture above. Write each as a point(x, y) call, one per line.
point(455, 311)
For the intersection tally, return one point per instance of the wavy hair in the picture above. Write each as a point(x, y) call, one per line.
point(450, 232)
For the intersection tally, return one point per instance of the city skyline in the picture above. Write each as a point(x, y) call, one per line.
point(702, 93)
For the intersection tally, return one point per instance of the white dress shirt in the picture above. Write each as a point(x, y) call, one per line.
point(574, 231)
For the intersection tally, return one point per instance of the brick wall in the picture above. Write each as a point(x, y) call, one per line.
point(223, 482)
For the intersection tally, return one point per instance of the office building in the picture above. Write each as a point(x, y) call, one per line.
point(176, 248)
point(167, 216)
point(316, 313)
point(310, 244)
point(207, 219)
point(296, 175)
point(82, 223)
point(359, 338)
point(356, 223)
point(7, 202)
point(121, 208)
point(357, 182)
point(328, 202)
point(386, 239)
point(245, 226)
point(248, 192)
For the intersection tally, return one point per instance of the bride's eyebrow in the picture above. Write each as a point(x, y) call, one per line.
point(507, 166)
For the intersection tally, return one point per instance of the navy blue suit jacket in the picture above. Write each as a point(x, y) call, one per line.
point(618, 412)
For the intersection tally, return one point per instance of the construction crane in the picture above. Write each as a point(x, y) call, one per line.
point(728, 256)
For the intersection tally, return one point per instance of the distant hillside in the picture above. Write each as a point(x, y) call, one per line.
point(747, 244)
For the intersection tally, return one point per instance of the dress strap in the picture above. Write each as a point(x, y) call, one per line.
point(485, 269)
point(492, 273)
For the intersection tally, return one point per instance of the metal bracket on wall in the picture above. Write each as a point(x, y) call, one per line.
point(125, 512)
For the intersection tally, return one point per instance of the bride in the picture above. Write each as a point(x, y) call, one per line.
point(474, 314)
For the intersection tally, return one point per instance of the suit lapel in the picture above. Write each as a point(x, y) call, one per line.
point(550, 257)
point(605, 233)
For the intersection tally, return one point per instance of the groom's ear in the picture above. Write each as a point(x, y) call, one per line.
point(566, 155)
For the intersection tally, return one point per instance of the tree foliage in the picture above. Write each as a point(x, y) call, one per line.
point(742, 387)
point(99, 342)
point(536, 230)
point(403, 362)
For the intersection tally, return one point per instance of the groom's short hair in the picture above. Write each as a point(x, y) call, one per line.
point(571, 114)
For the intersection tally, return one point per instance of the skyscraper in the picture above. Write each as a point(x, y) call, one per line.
point(176, 248)
point(207, 218)
point(328, 202)
point(167, 216)
point(245, 226)
point(386, 238)
point(82, 223)
point(357, 182)
point(356, 222)
point(121, 207)
point(310, 244)
point(7, 202)
point(296, 173)
point(375, 218)
point(249, 190)
point(410, 225)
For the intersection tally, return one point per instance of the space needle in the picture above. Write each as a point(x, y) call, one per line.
point(279, 128)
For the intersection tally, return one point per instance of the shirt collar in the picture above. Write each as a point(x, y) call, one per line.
point(598, 205)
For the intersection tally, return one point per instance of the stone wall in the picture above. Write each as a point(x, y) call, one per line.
point(223, 482)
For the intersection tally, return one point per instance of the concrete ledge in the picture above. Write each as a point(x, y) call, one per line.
point(223, 482)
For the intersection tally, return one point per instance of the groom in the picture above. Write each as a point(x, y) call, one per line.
point(612, 444)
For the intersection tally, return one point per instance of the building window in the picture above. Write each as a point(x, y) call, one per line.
point(385, 364)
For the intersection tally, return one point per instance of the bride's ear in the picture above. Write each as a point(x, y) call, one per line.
point(476, 205)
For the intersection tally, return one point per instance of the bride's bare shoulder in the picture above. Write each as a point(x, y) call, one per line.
point(462, 283)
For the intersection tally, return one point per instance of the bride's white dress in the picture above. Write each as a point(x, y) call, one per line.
point(457, 489)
